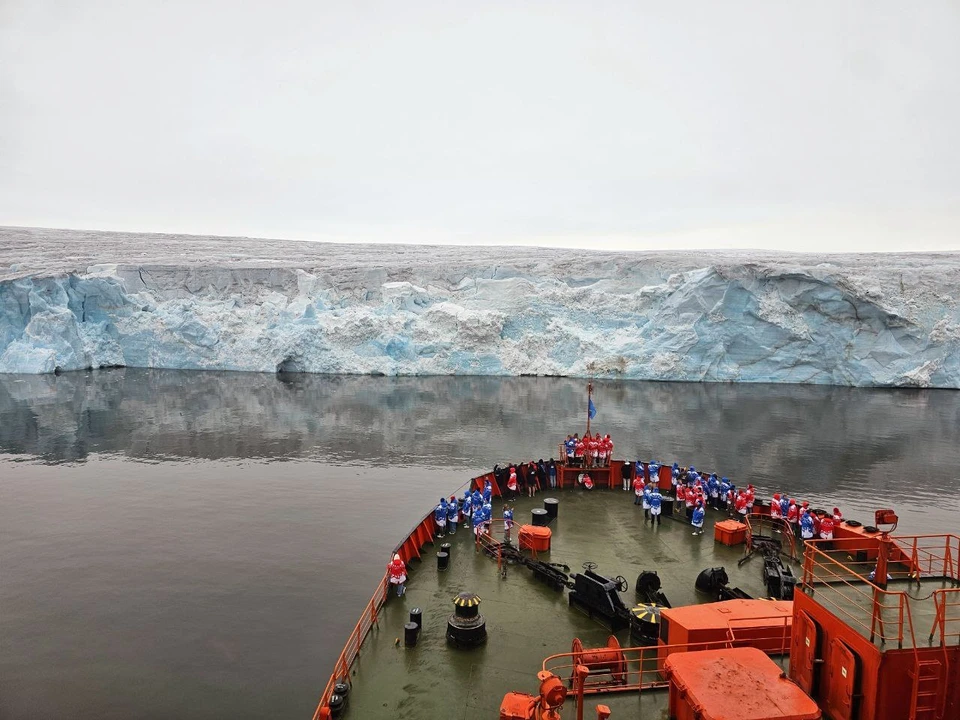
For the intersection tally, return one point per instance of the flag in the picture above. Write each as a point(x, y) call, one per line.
point(591, 410)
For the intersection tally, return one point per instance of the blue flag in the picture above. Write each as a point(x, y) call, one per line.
point(592, 410)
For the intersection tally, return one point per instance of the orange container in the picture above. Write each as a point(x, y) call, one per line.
point(535, 537)
point(730, 532)
point(734, 684)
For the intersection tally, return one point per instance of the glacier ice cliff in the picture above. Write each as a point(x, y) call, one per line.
point(75, 300)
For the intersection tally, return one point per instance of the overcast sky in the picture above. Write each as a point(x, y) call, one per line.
point(789, 125)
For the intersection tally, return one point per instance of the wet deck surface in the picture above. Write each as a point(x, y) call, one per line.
point(526, 621)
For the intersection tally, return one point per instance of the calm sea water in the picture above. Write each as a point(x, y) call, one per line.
point(198, 545)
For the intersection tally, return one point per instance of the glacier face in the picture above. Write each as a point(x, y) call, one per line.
point(70, 301)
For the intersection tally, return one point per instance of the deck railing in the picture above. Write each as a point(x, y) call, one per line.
point(933, 556)
point(642, 667)
point(946, 621)
point(421, 533)
point(757, 523)
point(837, 573)
point(341, 671)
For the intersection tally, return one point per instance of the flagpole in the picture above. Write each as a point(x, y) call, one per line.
point(589, 393)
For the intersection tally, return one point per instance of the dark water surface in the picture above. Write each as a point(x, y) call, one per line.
point(198, 545)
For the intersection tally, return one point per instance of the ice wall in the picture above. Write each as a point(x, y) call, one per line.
point(848, 321)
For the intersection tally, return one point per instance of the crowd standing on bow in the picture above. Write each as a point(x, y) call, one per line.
point(694, 492)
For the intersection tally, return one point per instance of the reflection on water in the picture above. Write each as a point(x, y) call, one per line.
point(157, 561)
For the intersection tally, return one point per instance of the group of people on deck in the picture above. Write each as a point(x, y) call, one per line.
point(806, 524)
point(476, 510)
point(526, 477)
point(694, 492)
point(589, 451)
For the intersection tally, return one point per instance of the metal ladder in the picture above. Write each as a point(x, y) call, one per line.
point(929, 690)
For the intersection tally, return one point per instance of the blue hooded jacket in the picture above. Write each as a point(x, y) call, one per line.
point(655, 498)
point(440, 513)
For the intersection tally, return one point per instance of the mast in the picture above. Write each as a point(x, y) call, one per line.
point(589, 394)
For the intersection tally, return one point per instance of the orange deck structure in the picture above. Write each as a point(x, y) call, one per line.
point(734, 684)
point(762, 624)
point(857, 641)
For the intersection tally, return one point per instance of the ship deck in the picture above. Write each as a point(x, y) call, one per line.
point(527, 621)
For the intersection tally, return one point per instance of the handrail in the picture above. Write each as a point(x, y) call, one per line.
point(943, 599)
point(749, 624)
point(351, 648)
point(844, 588)
point(643, 668)
point(762, 519)
point(871, 601)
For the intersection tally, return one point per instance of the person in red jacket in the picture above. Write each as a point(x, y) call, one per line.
point(826, 528)
point(593, 451)
point(579, 449)
point(741, 503)
point(793, 517)
point(681, 496)
point(637, 490)
point(750, 498)
point(398, 574)
point(837, 516)
point(512, 482)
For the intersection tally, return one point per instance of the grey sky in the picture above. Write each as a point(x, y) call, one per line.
point(790, 125)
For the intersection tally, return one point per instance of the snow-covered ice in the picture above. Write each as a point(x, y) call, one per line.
point(72, 300)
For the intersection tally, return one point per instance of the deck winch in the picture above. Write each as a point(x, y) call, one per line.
point(714, 582)
point(648, 589)
point(778, 578)
point(599, 597)
point(466, 627)
point(609, 660)
point(545, 706)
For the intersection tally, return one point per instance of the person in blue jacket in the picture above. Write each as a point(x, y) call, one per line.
point(507, 523)
point(713, 490)
point(646, 501)
point(466, 507)
point(653, 467)
point(724, 493)
point(487, 518)
point(784, 506)
point(487, 491)
point(476, 500)
point(453, 514)
point(655, 505)
point(692, 475)
point(440, 517)
point(697, 520)
point(806, 525)
point(675, 472)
